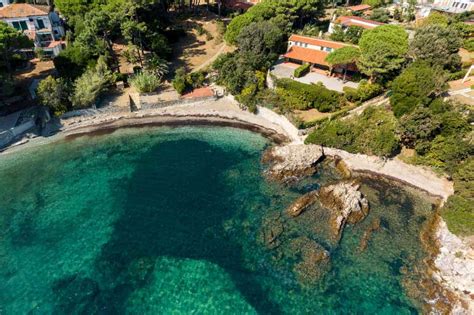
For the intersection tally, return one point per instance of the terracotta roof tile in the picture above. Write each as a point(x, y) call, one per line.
point(16, 10)
point(360, 7)
point(316, 41)
point(357, 21)
point(307, 55)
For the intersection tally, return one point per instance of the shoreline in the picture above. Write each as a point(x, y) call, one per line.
point(225, 112)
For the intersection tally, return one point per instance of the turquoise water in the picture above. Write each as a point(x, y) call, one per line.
point(170, 221)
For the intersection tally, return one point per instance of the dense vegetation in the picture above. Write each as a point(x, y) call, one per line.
point(373, 133)
point(296, 95)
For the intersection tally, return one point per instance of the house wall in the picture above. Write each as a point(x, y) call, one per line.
point(52, 30)
point(32, 21)
point(454, 6)
point(359, 23)
point(4, 3)
point(310, 46)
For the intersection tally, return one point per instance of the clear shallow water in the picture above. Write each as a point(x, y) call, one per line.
point(160, 221)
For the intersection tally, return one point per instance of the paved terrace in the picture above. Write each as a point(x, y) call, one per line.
point(286, 70)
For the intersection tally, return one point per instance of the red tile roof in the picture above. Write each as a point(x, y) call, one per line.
point(360, 7)
point(54, 43)
point(200, 92)
point(307, 55)
point(357, 21)
point(316, 41)
point(16, 10)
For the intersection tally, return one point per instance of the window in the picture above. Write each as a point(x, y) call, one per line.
point(21, 26)
point(40, 24)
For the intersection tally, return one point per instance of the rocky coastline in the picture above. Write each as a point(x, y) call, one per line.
point(455, 261)
point(452, 264)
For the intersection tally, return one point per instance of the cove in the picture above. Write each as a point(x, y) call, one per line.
point(169, 220)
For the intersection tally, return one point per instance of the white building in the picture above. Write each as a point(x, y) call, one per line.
point(454, 6)
point(346, 21)
point(4, 3)
point(42, 26)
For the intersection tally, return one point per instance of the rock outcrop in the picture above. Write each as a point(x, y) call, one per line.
point(455, 264)
point(346, 203)
point(302, 203)
point(293, 161)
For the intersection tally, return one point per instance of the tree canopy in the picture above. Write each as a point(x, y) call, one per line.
point(417, 85)
point(283, 13)
point(437, 45)
point(343, 56)
point(11, 41)
point(260, 43)
point(383, 50)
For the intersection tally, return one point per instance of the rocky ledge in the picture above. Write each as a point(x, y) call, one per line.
point(455, 264)
point(347, 205)
point(293, 161)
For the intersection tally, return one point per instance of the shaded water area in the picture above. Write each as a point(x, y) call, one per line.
point(170, 220)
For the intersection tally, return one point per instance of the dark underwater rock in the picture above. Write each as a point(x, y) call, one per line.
point(302, 203)
point(313, 261)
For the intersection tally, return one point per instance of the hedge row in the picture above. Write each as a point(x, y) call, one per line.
point(302, 96)
point(302, 70)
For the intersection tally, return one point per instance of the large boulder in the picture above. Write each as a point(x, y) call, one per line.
point(293, 161)
point(346, 203)
point(302, 203)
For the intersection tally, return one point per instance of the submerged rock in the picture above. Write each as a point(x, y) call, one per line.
point(346, 203)
point(374, 226)
point(293, 160)
point(302, 203)
point(314, 260)
point(272, 229)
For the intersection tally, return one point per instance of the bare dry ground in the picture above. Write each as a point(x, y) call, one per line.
point(194, 51)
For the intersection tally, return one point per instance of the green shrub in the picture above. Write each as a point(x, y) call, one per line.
point(368, 90)
point(302, 70)
point(371, 133)
point(469, 44)
point(91, 84)
point(417, 85)
point(456, 75)
point(302, 96)
point(53, 93)
point(145, 82)
point(183, 82)
point(365, 91)
point(446, 152)
point(351, 94)
point(459, 210)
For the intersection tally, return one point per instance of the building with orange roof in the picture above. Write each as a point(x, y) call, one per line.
point(313, 51)
point(359, 8)
point(39, 23)
point(346, 21)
